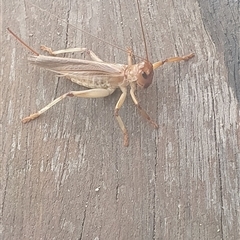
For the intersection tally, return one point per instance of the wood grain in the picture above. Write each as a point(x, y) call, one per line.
point(66, 175)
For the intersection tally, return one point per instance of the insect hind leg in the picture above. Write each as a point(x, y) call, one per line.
point(91, 93)
point(93, 56)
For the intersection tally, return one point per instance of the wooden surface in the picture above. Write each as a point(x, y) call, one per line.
point(66, 175)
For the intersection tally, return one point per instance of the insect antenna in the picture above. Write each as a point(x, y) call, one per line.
point(22, 42)
point(143, 34)
point(82, 30)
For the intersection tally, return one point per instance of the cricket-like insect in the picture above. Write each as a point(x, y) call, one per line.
point(102, 78)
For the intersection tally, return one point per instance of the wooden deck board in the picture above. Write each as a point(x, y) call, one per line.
point(66, 175)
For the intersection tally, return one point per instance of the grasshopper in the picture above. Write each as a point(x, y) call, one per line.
point(100, 77)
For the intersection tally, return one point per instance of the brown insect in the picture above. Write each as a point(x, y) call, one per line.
point(102, 78)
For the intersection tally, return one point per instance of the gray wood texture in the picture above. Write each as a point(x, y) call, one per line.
point(67, 175)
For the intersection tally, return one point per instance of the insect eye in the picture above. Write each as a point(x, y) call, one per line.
point(144, 75)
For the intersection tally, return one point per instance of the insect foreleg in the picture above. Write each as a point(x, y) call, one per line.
point(71, 50)
point(92, 93)
point(142, 111)
point(173, 59)
point(120, 122)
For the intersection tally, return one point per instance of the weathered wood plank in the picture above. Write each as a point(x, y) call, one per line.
point(67, 175)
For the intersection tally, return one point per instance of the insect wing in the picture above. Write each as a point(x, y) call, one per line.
point(82, 69)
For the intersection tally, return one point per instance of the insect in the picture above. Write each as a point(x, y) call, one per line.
point(100, 77)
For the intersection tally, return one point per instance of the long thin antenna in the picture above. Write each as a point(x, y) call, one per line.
point(99, 39)
point(143, 34)
point(22, 42)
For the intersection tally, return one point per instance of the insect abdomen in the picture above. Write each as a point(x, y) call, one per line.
point(91, 81)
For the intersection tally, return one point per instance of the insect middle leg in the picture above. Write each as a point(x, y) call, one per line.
point(120, 122)
point(91, 93)
point(71, 50)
